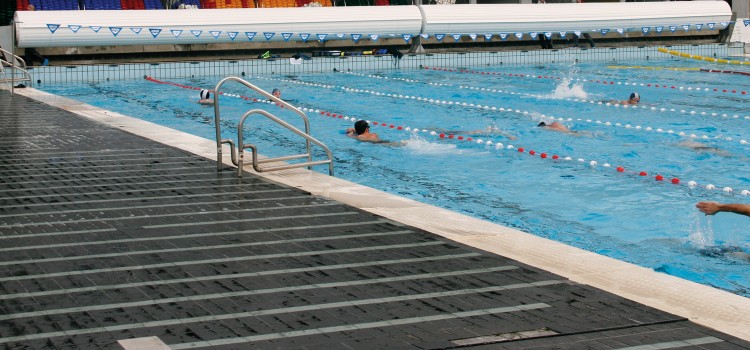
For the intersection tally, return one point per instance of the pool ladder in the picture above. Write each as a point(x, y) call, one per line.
point(261, 165)
point(15, 69)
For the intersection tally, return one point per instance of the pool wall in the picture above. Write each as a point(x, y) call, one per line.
point(172, 70)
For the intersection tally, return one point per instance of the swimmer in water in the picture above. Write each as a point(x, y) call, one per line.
point(206, 98)
point(361, 131)
point(703, 148)
point(556, 126)
point(490, 130)
point(634, 99)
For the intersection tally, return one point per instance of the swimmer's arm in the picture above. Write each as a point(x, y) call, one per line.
point(711, 208)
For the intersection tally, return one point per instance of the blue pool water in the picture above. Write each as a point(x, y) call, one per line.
point(580, 198)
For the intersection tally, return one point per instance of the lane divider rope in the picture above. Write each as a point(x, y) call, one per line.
point(488, 143)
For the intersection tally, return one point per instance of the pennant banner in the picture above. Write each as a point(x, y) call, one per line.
point(115, 30)
point(577, 33)
point(322, 37)
point(232, 35)
point(563, 34)
point(456, 37)
point(340, 35)
point(74, 28)
point(488, 36)
point(96, 29)
point(621, 31)
point(672, 28)
point(196, 32)
point(356, 37)
point(215, 33)
point(699, 26)
point(604, 32)
point(724, 24)
point(503, 36)
point(686, 27)
point(519, 35)
point(711, 25)
point(659, 29)
point(374, 37)
point(53, 27)
point(424, 36)
point(268, 35)
point(176, 32)
point(250, 35)
point(136, 30)
point(473, 37)
point(286, 36)
point(533, 35)
point(645, 30)
point(548, 35)
point(304, 36)
point(154, 31)
point(746, 22)
point(406, 37)
point(439, 37)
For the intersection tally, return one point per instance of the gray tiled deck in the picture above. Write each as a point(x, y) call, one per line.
point(105, 235)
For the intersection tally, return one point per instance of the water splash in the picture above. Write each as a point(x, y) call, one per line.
point(701, 232)
point(419, 145)
point(568, 89)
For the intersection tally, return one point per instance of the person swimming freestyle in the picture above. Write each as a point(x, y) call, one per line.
point(205, 97)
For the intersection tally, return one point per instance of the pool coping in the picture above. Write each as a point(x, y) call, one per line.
point(704, 305)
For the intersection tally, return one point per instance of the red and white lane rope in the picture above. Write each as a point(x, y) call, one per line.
point(597, 81)
point(488, 144)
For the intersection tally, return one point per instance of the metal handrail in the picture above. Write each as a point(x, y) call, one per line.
point(256, 162)
point(306, 134)
point(21, 67)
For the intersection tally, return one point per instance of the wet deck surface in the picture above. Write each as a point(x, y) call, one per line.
point(106, 236)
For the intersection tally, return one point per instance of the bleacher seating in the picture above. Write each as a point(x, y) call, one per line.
point(153, 4)
point(102, 5)
point(208, 4)
point(132, 5)
point(278, 3)
point(21, 5)
point(52, 5)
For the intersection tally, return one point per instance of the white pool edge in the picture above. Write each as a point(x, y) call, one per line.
point(711, 307)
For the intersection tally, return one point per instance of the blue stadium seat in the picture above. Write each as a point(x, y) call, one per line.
point(103, 5)
point(153, 4)
point(60, 4)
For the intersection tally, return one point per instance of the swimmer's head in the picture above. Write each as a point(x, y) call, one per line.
point(276, 92)
point(360, 127)
point(542, 124)
point(205, 95)
point(635, 97)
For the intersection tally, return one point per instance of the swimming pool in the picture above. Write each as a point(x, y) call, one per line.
point(565, 187)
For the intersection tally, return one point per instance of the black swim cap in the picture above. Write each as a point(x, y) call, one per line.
point(360, 127)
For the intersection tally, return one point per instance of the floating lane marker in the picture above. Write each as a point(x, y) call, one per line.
point(497, 145)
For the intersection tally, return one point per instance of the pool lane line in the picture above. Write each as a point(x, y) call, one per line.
point(543, 116)
point(701, 58)
point(498, 145)
point(598, 81)
point(656, 68)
